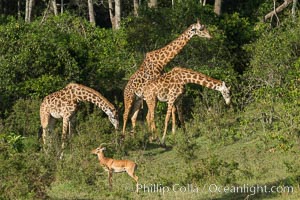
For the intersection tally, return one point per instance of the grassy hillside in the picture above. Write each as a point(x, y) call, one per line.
point(194, 163)
point(225, 151)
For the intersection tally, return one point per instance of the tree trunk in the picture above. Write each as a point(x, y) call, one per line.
point(19, 9)
point(117, 14)
point(91, 11)
point(61, 6)
point(135, 7)
point(217, 7)
point(28, 10)
point(111, 13)
point(152, 3)
point(203, 2)
point(54, 7)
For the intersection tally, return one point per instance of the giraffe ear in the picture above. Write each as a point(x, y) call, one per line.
point(202, 27)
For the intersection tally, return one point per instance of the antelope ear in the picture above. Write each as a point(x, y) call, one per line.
point(103, 148)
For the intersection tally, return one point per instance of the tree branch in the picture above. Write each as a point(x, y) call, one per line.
point(278, 9)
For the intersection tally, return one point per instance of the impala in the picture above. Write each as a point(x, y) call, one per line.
point(113, 165)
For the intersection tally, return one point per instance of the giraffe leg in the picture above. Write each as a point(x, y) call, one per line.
point(128, 102)
point(66, 123)
point(151, 103)
point(179, 111)
point(169, 111)
point(70, 128)
point(173, 119)
point(45, 118)
point(136, 108)
point(49, 129)
point(148, 119)
point(47, 124)
point(150, 115)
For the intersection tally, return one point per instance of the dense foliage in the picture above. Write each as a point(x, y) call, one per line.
point(37, 59)
point(254, 141)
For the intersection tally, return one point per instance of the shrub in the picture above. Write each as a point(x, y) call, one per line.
point(24, 118)
point(38, 59)
point(213, 170)
point(25, 175)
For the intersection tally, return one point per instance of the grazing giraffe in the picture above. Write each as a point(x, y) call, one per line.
point(169, 88)
point(63, 104)
point(152, 67)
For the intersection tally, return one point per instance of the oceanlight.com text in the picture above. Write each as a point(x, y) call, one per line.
point(249, 189)
point(214, 188)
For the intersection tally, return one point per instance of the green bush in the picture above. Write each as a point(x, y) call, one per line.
point(38, 59)
point(24, 173)
point(24, 118)
point(213, 170)
point(274, 67)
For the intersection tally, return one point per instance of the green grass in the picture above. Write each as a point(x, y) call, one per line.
point(223, 150)
point(162, 169)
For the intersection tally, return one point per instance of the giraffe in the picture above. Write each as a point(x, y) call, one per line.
point(63, 104)
point(152, 67)
point(169, 88)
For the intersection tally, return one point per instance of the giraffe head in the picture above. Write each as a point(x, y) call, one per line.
point(113, 118)
point(225, 91)
point(199, 30)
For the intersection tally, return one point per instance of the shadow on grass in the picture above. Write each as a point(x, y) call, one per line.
point(284, 188)
point(158, 149)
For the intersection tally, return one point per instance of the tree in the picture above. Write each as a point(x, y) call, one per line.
point(279, 9)
point(203, 2)
point(152, 3)
point(91, 11)
point(217, 7)
point(135, 7)
point(115, 13)
point(54, 7)
point(28, 10)
point(61, 6)
point(19, 9)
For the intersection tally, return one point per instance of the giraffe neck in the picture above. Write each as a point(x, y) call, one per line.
point(190, 76)
point(168, 52)
point(83, 93)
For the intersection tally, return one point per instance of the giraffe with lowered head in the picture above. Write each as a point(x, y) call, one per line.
point(63, 104)
point(152, 67)
point(169, 88)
